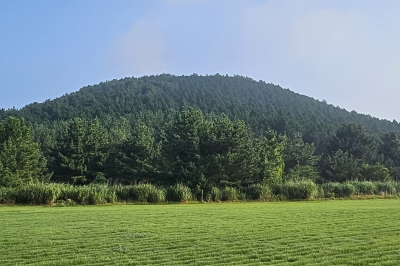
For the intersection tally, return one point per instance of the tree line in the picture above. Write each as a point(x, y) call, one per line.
point(261, 105)
point(189, 147)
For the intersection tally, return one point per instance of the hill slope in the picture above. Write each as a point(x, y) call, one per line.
point(260, 104)
point(139, 136)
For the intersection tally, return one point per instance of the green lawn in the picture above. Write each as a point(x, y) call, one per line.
point(342, 232)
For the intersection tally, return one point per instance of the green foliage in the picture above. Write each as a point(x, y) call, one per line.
point(302, 172)
point(67, 194)
point(81, 151)
point(144, 193)
point(87, 195)
point(375, 172)
point(215, 194)
point(364, 187)
point(21, 160)
point(338, 190)
point(389, 150)
point(355, 140)
point(178, 193)
point(135, 159)
point(295, 190)
point(203, 132)
point(271, 159)
point(386, 188)
point(341, 167)
point(229, 194)
point(258, 192)
point(300, 159)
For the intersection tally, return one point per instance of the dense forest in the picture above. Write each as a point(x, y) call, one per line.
point(199, 131)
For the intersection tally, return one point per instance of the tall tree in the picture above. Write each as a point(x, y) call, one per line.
point(269, 149)
point(300, 159)
point(21, 159)
point(182, 146)
point(341, 167)
point(135, 159)
point(82, 151)
point(390, 150)
point(355, 140)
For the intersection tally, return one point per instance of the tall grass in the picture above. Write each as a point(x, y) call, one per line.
point(47, 194)
point(214, 194)
point(229, 194)
point(33, 193)
point(178, 193)
point(365, 187)
point(338, 190)
point(143, 193)
point(386, 188)
point(87, 195)
point(295, 190)
point(258, 192)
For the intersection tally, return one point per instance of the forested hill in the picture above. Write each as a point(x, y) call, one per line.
point(259, 104)
point(201, 131)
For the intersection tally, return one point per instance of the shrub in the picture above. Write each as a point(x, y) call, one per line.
point(328, 189)
point(364, 187)
point(214, 195)
point(77, 194)
point(100, 194)
point(156, 195)
point(144, 193)
point(34, 193)
point(3, 194)
point(178, 193)
point(296, 190)
point(124, 193)
point(229, 194)
point(385, 188)
point(258, 192)
point(347, 190)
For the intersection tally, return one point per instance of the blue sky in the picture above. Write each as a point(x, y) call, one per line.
point(344, 52)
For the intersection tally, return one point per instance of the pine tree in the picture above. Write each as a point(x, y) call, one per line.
point(21, 159)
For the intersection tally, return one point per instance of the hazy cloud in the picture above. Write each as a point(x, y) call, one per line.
point(326, 51)
point(325, 36)
point(186, 2)
point(143, 50)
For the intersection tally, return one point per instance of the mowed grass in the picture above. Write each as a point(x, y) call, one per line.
point(343, 232)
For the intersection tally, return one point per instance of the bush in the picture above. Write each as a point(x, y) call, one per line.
point(139, 193)
point(386, 188)
point(346, 190)
point(295, 190)
point(77, 194)
point(178, 193)
point(214, 195)
point(258, 192)
point(100, 194)
point(364, 187)
point(87, 195)
point(34, 193)
point(3, 194)
point(328, 189)
point(338, 190)
point(229, 194)
point(156, 195)
point(124, 193)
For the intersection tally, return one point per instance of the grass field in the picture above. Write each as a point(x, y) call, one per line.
point(342, 232)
